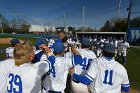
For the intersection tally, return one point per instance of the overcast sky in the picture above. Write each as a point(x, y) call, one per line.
point(52, 11)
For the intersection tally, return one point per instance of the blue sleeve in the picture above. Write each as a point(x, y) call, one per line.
point(82, 79)
point(37, 57)
point(58, 41)
point(51, 59)
point(125, 87)
point(77, 60)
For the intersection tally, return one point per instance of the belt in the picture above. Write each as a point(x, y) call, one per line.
point(54, 91)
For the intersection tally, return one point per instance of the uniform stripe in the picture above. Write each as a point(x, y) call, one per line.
point(73, 64)
point(49, 65)
point(89, 77)
point(125, 85)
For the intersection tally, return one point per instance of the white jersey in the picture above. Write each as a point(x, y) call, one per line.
point(87, 56)
point(56, 81)
point(27, 77)
point(107, 75)
point(122, 48)
point(9, 52)
point(51, 42)
point(43, 55)
point(5, 68)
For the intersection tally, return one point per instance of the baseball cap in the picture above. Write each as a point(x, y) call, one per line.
point(58, 48)
point(14, 41)
point(85, 41)
point(109, 48)
point(39, 42)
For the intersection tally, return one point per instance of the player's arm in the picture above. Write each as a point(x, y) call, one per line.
point(77, 58)
point(37, 57)
point(51, 57)
point(125, 86)
point(45, 66)
point(88, 77)
point(79, 78)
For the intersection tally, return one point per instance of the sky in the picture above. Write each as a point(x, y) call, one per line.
point(53, 12)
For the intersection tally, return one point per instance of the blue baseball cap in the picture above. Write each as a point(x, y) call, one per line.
point(39, 42)
point(14, 41)
point(85, 41)
point(109, 48)
point(58, 48)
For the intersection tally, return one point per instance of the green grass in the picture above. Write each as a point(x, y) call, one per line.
point(3, 55)
point(133, 67)
point(4, 46)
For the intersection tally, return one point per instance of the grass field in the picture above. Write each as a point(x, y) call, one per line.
point(132, 65)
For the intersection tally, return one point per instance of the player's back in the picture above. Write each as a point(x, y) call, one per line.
point(87, 56)
point(41, 55)
point(56, 81)
point(9, 52)
point(5, 68)
point(110, 75)
point(26, 78)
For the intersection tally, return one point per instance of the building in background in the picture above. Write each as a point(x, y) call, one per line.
point(133, 36)
point(39, 29)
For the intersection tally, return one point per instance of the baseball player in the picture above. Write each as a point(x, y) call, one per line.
point(25, 77)
point(56, 81)
point(5, 68)
point(40, 54)
point(62, 36)
point(9, 50)
point(122, 50)
point(87, 56)
point(105, 75)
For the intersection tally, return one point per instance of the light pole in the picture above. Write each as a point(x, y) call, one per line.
point(83, 17)
point(118, 13)
point(129, 14)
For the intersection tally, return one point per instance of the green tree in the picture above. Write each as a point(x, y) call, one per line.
point(107, 27)
point(20, 26)
point(135, 22)
point(120, 26)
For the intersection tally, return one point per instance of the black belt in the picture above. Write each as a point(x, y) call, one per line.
point(54, 91)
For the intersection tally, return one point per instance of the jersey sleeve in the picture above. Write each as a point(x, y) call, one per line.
point(125, 83)
point(43, 67)
point(72, 62)
point(92, 70)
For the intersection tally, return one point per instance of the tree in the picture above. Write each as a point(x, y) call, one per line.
point(71, 30)
point(107, 27)
point(135, 22)
point(120, 26)
point(4, 24)
point(20, 26)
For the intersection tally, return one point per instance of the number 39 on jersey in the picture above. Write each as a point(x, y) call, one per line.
point(14, 84)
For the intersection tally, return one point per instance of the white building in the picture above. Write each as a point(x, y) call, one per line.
point(41, 29)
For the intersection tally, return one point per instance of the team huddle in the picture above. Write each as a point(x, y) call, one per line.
point(45, 66)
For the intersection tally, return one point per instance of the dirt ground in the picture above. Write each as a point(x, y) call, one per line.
point(6, 40)
point(134, 91)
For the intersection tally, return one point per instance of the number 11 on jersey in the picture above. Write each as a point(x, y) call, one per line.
point(108, 77)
